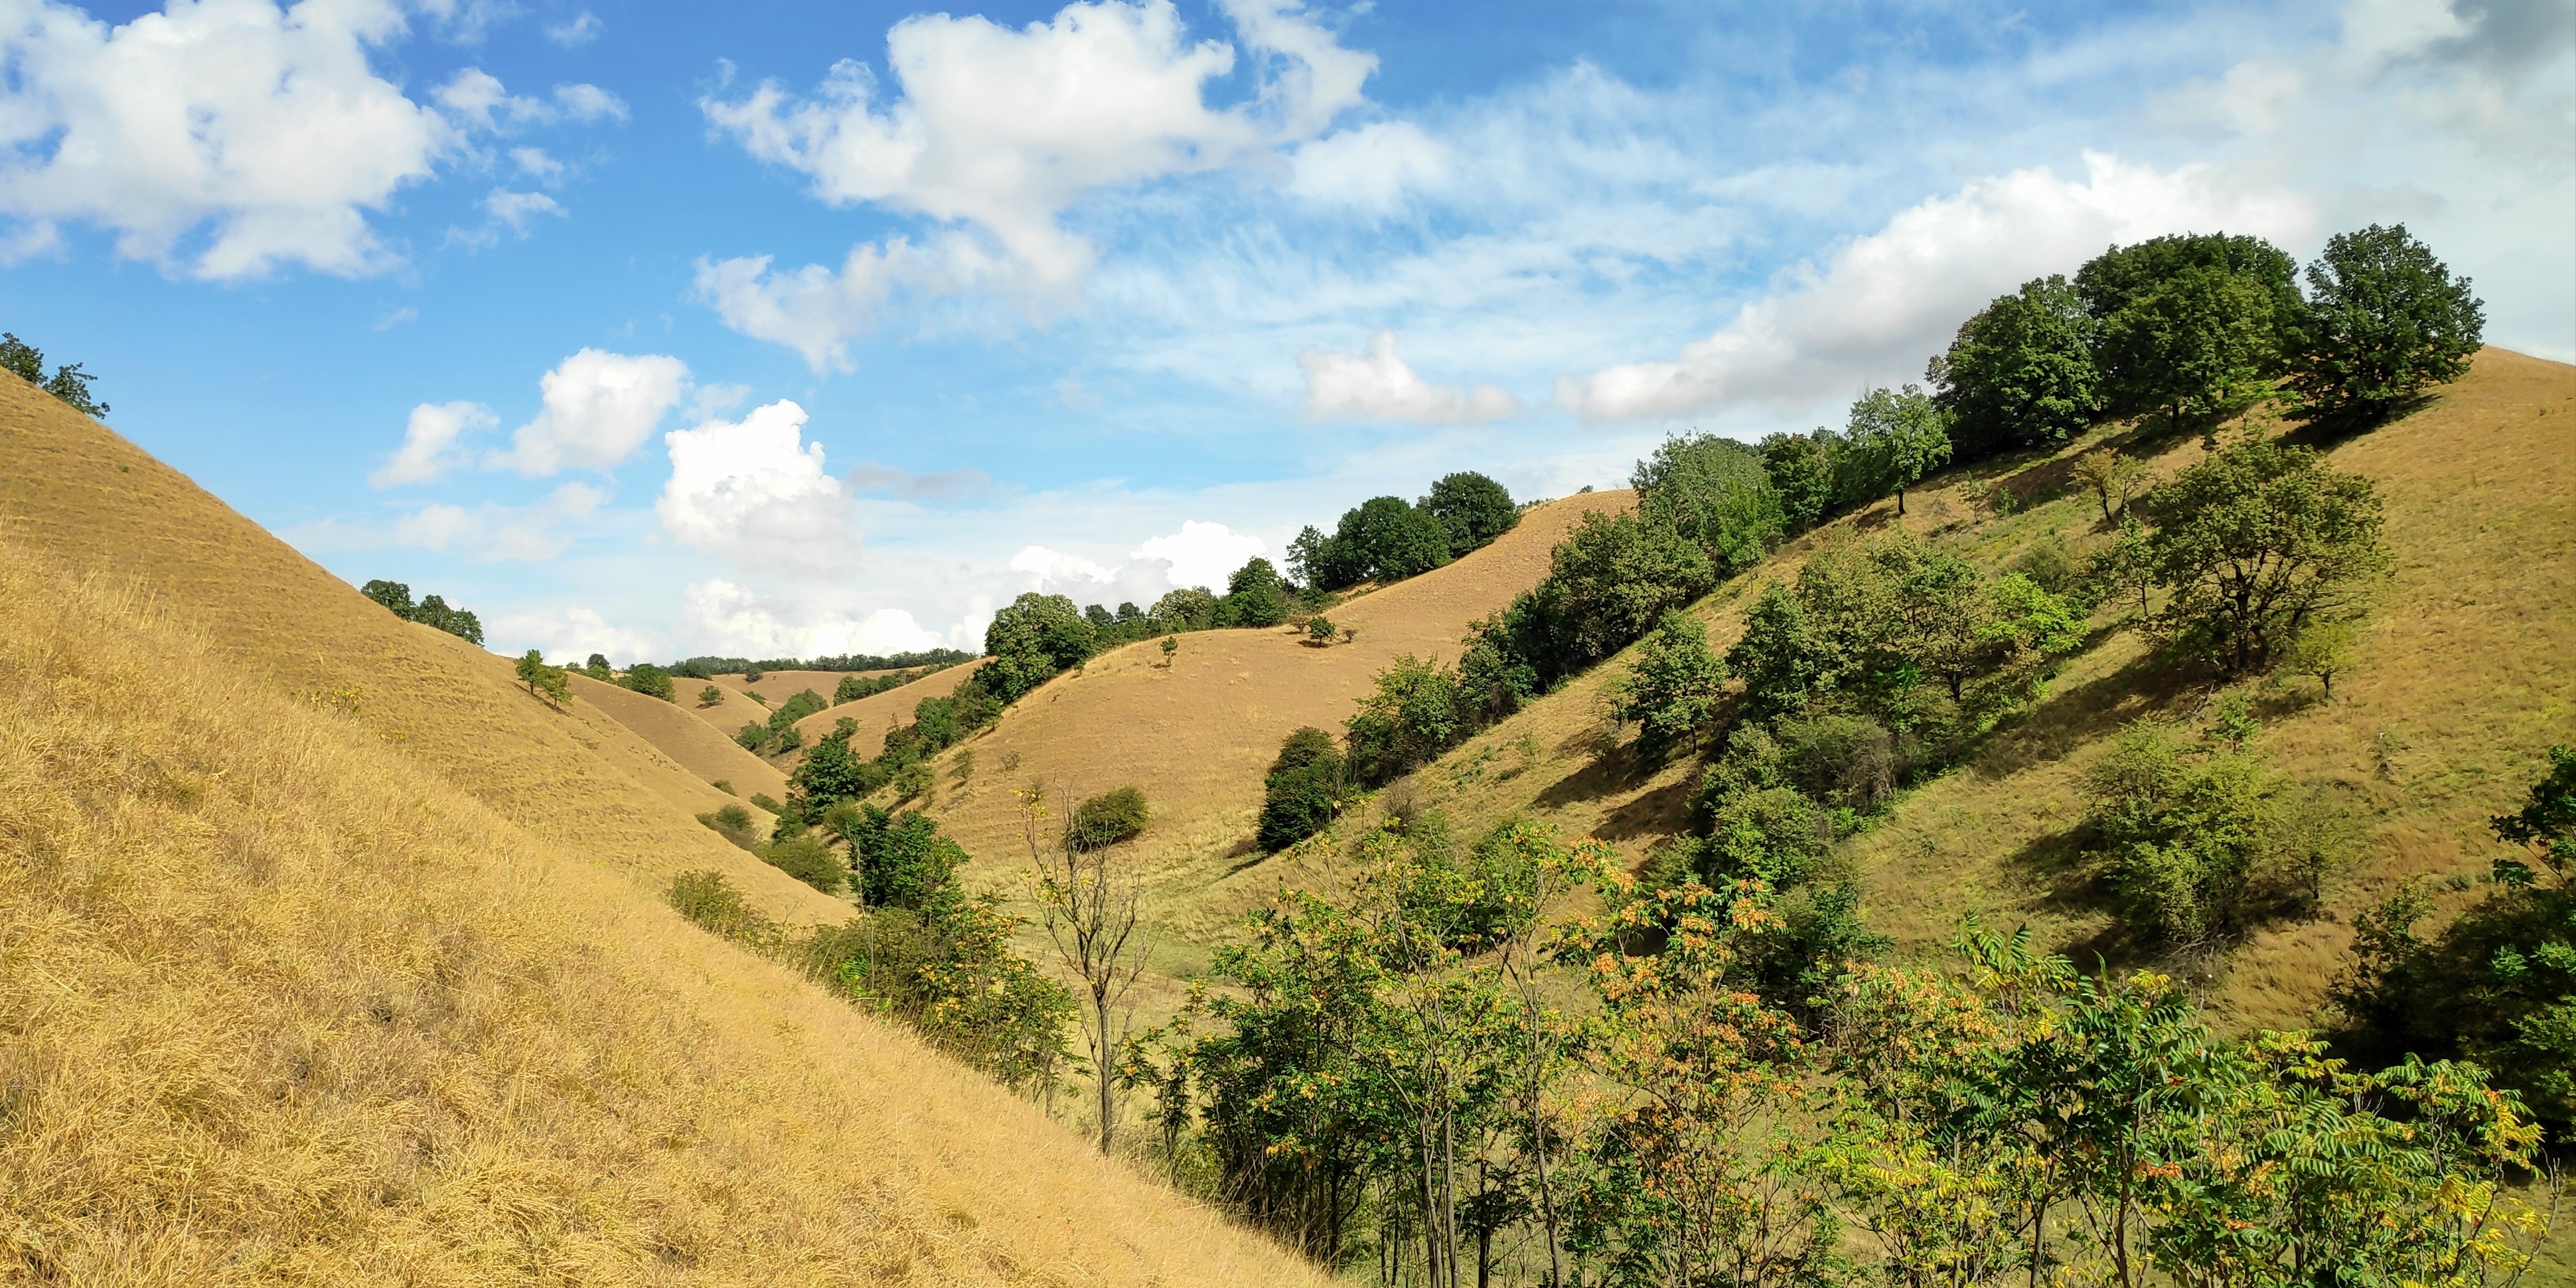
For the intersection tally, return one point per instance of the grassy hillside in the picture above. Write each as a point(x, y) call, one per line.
point(332, 956)
point(1197, 736)
point(2466, 674)
point(676, 731)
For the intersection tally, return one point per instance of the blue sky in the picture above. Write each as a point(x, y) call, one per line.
point(794, 329)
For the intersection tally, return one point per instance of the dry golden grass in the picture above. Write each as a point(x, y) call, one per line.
point(779, 686)
point(691, 742)
point(329, 955)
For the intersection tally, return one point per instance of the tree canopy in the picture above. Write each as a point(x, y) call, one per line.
point(2384, 319)
point(1715, 492)
point(2020, 371)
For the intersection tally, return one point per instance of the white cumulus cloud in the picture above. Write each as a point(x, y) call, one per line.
point(572, 634)
point(429, 448)
point(754, 492)
point(265, 125)
point(1001, 130)
point(1883, 301)
point(497, 533)
point(730, 618)
point(1375, 384)
point(599, 407)
point(1201, 554)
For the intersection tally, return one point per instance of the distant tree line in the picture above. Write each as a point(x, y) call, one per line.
point(430, 611)
point(709, 667)
point(68, 383)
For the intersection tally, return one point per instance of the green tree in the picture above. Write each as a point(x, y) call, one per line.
point(2323, 650)
point(1388, 539)
point(2189, 346)
point(395, 596)
point(2111, 476)
point(1030, 641)
point(2019, 372)
point(710, 696)
point(808, 860)
point(1802, 470)
point(68, 383)
point(2383, 320)
point(1608, 583)
point(1171, 649)
point(1672, 689)
point(1258, 596)
point(1186, 609)
point(1472, 508)
point(2258, 541)
point(1303, 790)
point(900, 859)
point(545, 681)
point(651, 681)
point(1901, 434)
point(1713, 491)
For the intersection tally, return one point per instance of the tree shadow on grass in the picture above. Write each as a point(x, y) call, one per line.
point(1661, 812)
point(1613, 768)
point(2069, 718)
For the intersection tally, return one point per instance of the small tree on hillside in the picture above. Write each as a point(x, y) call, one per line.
point(1303, 790)
point(1256, 594)
point(1901, 433)
point(2384, 320)
point(69, 383)
point(395, 596)
point(545, 681)
point(1672, 689)
point(2323, 650)
point(1171, 648)
point(2256, 543)
point(1091, 907)
point(1715, 492)
point(2110, 475)
point(710, 696)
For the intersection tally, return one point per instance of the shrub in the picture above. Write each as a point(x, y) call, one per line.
point(1108, 819)
point(1320, 629)
point(2203, 843)
point(1840, 759)
point(1414, 715)
point(1303, 790)
point(712, 902)
point(734, 823)
point(710, 696)
point(1672, 689)
point(808, 860)
point(724, 785)
point(765, 801)
point(914, 780)
point(1608, 583)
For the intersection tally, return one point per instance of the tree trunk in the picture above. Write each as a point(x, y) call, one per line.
point(1900, 502)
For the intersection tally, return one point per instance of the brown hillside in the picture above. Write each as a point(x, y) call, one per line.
point(2466, 674)
point(283, 1005)
point(335, 956)
point(1198, 736)
point(673, 730)
point(880, 712)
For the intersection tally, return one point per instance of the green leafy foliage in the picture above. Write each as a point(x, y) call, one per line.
point(1256, 595)
point(808, 860)
point(900, 859)
point(1472, 508)
point(2020, 372)
point(651, 681)
point(1303, 790)
point(1415, 713)
point(1715, 492)
point(68, 383)
point(1673, 688)
point(2384, 319)
point(433, 611)
point(1108, 819)
point(1031, 640)
point(2257, 542)
point(1608, 583)
point(545, 681)
point(1894, 438)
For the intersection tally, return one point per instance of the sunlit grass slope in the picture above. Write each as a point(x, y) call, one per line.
point(327, 955)
point(1197, 736)
point(2466, 673)
point(279, 1004)
point(880, 712)
point(694, 744)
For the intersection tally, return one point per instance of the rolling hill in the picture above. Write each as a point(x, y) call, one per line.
point(334, 956)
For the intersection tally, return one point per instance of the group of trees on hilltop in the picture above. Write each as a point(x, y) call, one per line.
point(1388, 538)
point(2187, 327)
point(708, 667)
point(68, 383)
point(430, 611)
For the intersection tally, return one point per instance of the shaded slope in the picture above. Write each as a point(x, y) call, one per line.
point(687, 740)
point(2466, 672)
point(278, 1003)
point(1198, 736)
point(75, 492)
